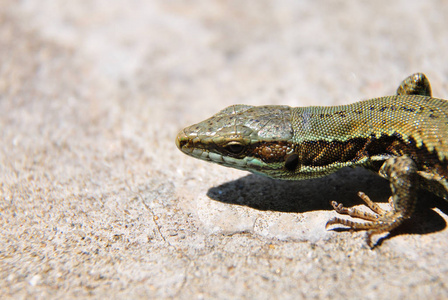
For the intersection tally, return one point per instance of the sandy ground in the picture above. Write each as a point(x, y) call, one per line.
point(97, 201)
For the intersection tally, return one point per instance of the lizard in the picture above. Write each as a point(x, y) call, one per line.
point(403, 138)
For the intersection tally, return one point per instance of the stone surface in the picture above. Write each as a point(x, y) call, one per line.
point(96, 201)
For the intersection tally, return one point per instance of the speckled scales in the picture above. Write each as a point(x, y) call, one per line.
point(425, 119)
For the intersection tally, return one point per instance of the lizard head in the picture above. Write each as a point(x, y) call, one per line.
point(250, 138)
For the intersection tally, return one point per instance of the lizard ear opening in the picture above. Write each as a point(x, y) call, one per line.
point(291, 162)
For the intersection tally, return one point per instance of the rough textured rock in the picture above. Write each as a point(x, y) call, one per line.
point(97, 201)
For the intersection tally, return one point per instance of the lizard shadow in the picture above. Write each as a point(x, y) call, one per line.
point(425, 219)
point(263, 193)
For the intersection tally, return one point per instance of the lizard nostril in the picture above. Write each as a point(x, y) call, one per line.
point(181, 140)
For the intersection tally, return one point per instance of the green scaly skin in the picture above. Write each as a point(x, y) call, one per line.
point(404, 138)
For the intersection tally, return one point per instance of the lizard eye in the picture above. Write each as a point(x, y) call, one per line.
point(234, 148)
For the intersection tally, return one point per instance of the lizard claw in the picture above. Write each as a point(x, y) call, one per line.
point(379, 221)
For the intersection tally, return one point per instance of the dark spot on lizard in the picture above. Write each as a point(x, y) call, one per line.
point(398, 135)
point(407, 109)
point(340, 113)
point(325, 115)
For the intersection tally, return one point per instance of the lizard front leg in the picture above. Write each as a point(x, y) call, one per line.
point(402, 175)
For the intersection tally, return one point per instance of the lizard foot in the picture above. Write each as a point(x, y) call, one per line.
point(380, 220)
